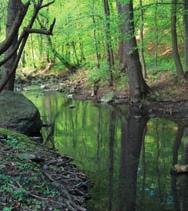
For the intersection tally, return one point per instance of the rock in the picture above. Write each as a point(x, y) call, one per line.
point(70, 96)
point(19, 113)
point(72, 90)
point(108, 98)
point(30, 156)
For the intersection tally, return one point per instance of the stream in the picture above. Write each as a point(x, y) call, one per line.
point(126, 156)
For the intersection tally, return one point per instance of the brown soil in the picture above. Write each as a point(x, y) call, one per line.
point(165, 86)
point(35, 178)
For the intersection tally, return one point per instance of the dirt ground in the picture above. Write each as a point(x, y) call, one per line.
point(164, 86)
point(33, 177)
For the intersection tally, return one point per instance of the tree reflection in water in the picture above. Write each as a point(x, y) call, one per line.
point(132, 134)
point(128, 165)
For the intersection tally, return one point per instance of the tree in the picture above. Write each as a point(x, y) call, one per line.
point(14, 6)
point(186, 32)
point(177, 60)
point(121, 53)
point(137, 86)
point(142, 57)
point(110, 54)
point(11, 44)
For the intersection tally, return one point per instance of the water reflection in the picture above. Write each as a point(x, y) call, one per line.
point(127, 156)
point(132, 136)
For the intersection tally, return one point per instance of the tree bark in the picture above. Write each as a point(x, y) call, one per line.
point(21, 42)
point(14, 6)
point(179, 67)
point(142, 58)
point(137, 86)
point(177, 60)
point(121, 51)
point(110, 53)
point(186, 33)
point(156, 31)
point(96, 41)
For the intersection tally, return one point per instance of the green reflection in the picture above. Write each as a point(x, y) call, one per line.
point(119, 152)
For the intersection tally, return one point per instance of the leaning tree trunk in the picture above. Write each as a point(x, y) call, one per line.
point(137, 86)
point(177, 60)
point(12, 12)
point(23, 37)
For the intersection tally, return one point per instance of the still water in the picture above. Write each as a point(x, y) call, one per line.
point(126, 156)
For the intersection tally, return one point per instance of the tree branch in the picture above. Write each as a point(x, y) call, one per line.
point(23, 40)
point(42, 30)
point(15, 28)
point(47, 5)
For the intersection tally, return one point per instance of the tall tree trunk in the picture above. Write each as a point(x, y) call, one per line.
point(156, 34)
point(177, 60)
point(110, 54)
point(122, 57)
point(12, 11)
point(142, 58)
point(186, 33)
point(96, 41)
point(137, 86)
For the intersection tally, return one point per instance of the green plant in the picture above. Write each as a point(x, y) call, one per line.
point(7, 209)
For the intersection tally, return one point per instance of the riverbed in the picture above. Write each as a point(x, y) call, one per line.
point(126, 155)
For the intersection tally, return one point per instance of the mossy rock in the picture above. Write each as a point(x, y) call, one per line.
point(19, 113)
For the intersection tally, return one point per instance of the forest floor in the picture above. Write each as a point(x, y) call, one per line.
point(33, 177)
point(165, 87)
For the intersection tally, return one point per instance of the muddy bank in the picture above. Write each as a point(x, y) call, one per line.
point(78, 88)
point(36, 178)
point(165, 88)
point(160, 102)
point(176, 111)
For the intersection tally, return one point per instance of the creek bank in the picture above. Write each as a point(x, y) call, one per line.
point(33, 177)
point(19, 114)
point(79, 88)
point(165, 87)
point(165, 91)
point(176, 111)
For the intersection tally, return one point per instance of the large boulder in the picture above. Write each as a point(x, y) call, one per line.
point(19, 113)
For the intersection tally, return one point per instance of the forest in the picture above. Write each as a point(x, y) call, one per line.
point(93, 105)
point(114, 43)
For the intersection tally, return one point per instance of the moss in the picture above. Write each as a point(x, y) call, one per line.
point(16, 135)
point(17, 140)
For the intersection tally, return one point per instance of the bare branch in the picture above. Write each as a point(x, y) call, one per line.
point(39, 31)
point(48, 4)
point(24, 37)
point(42, 30)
